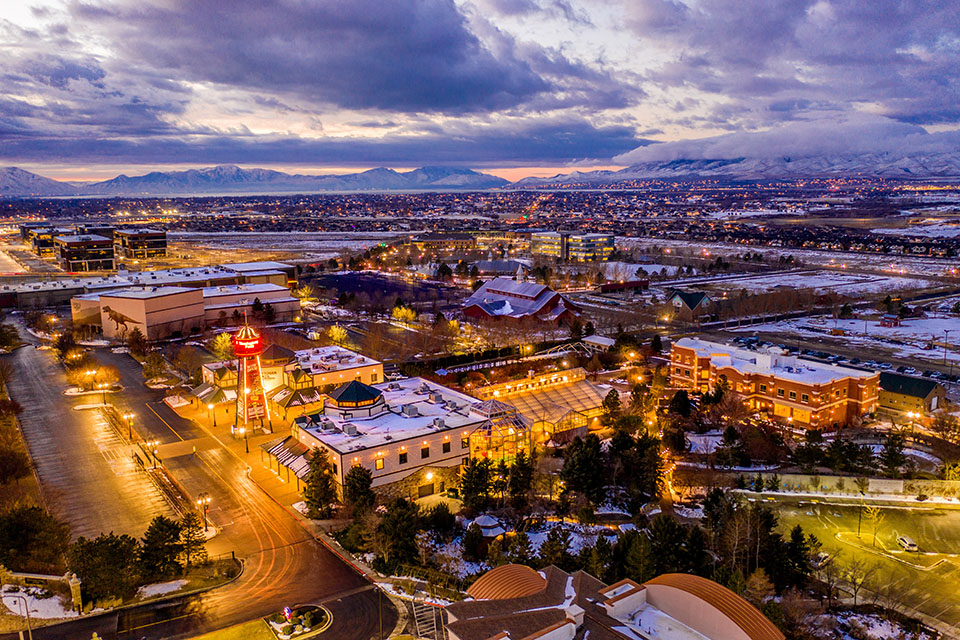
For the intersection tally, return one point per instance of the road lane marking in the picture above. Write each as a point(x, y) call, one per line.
point(163, 421)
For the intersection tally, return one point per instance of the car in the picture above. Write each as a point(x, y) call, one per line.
point(907, 543)
point(854, 360)
point(902, 368)
point(820, 560)
point(886, 365)
point(927, 373)
point(910, 371)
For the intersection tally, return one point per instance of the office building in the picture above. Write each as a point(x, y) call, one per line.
point(140, 244)
point(801, 391)
point(84, 253)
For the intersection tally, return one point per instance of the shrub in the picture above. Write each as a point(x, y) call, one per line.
point(921, 497)
point(287, 630)
point(277, 618)
point(308, 620)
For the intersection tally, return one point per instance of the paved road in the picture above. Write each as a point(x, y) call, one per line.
point(283, 564)
point(928, 581)
point(87, 477)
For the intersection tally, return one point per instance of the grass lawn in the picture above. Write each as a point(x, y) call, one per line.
point(254, 630)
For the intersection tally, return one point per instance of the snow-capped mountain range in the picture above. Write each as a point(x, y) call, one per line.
point(229, 179)
point(226, 179)
point(874, 165)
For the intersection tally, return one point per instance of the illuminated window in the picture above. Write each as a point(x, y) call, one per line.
point(403, 458)
point(464, 443)
point(379, 464)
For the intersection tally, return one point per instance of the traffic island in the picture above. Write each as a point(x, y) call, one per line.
point(301, 622)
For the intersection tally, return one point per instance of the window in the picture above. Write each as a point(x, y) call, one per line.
point(373, 377)
point(793, 395)
point(378, 464)
point(804, 397)
point(464, 443)
point(403, 458)
point(779, 393)
point(446, 447)
point(424, 453)
point(334, 469)
point(838, 393)
point(763, 388)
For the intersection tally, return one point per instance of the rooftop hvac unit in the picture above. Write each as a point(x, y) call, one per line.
point(350, 429)
point(411, 410)
point(439, 423)
point(436, 397)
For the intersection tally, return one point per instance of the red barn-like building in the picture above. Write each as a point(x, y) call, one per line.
point(507, 299)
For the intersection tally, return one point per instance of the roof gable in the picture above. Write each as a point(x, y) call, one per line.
point(907, 385)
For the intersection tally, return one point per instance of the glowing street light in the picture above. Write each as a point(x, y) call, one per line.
point(211, 412)
point(129, 418)
point(203, 503)
point(246, 443)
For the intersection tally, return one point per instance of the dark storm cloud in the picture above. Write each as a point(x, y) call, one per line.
point(402, 55)
point(903, 56)
point(554, 141)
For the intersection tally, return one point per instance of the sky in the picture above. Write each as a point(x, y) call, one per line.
point(92, 88)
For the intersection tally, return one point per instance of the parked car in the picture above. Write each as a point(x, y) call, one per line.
point(907, 543)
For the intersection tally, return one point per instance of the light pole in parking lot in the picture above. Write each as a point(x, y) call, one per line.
point(203, 502)
point(211, 412)
point(129, 417)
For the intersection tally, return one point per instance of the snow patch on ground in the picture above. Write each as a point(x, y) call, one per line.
point(396, 591)
point(704, 442)
point(93, 343)
point(38, 606)
point(860, 626)
point(160, 588)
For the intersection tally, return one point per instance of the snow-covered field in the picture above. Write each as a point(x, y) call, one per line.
point(881, 262)
point(39, 606)
point(852, 284)
point(926, 229)
point(860, 626)
point(910, 340)
point(628, 270)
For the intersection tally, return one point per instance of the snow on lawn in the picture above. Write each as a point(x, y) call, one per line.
point(39, 603)
point(581, 535)
point(934, 230)
point(160, 588)
point(394, 590)
point(704, 442)
point(860, 626)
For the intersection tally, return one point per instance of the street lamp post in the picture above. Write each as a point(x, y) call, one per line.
point(246, 444)
point(129, 417)
point(211, 412)
point(152, 446)
point(203, 503)
point(26, 607)
point(103, 391)
point(946, 337)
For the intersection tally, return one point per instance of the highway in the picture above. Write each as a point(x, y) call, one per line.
point(284, 565)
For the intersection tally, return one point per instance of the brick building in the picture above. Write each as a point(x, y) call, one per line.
point(795, 389)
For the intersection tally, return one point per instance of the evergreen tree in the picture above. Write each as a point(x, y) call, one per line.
point(665, 533)
point(495, 554)
point(440, 520)
point(320, 492)
point(640, 563)
point(137, 343)
point(656, 344)
point(106, 565)
point(892, 456)
point(160, 550)
point(611, 407)
point(193, 540)
point(599, 558)
point(356, 489)
point(680, 403)
point(475, 483)
point(695, 546)
point(472, 543)
point(521, 550)
point(555, 550)
point(582, 462)
point(521, 479)
point(398, 529)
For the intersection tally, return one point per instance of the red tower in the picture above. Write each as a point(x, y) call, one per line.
point(251, 400)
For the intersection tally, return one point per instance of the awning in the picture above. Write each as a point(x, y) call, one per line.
point(291, 453)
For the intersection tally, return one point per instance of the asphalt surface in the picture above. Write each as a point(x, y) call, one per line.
point(87, 475)
point(928, 581)
point(283, 564)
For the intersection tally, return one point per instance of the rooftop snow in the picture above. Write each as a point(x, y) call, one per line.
point(394, 425)
point(780, 365)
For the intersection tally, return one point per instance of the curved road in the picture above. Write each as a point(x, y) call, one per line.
point(284, 565)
